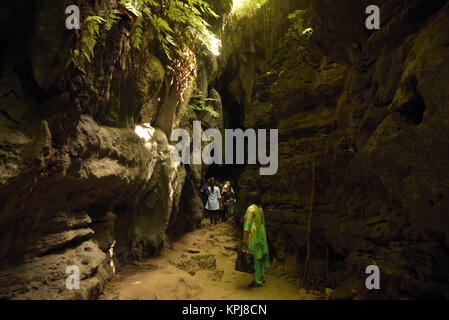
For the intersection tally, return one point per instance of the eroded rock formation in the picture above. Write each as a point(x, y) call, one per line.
point(370, 109)
point(78, 186)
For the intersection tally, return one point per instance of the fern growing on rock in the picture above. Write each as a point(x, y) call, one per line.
point(176, 26)
point(198, 103)
point(89, 35)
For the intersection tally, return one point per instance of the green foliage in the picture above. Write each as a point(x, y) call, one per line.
point(137, 34)
point(90, 34)
point(297, 19)
point(176, 25)
point(198, 104)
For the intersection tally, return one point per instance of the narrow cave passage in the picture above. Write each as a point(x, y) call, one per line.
point(200, 265)
point(111, 114)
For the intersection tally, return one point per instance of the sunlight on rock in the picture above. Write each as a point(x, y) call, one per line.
point(245, 7)
point(308, 31)
point(213, 43)
point(144, 131)
point(236, 5)
point(111, 254)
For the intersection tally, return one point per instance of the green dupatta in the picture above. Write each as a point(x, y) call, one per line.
point(257, 237)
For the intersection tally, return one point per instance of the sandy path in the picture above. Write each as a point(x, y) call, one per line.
point(167, 276)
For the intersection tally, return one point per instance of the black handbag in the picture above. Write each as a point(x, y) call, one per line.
point(245, 262)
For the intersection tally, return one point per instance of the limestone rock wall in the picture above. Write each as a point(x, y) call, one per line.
point(370, 109)
point(78, 185)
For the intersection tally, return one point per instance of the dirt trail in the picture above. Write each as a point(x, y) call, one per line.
point(199, 266)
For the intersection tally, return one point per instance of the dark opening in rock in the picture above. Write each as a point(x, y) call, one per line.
point(413, 110)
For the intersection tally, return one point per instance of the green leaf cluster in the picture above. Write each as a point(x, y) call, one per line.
point(175, 25)
point(297, 20)
point(198, 103)
point(89, 35)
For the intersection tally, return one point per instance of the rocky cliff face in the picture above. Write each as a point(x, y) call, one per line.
point(370, 109)
point(78, 186)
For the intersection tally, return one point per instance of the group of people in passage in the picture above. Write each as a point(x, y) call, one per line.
point(219, 203)
point(218, 200)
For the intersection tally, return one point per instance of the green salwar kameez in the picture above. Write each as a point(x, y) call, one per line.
point(257, 241)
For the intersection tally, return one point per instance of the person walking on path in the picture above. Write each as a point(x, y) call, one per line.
point(255, 239)
point(228, 199)
point(213, 204)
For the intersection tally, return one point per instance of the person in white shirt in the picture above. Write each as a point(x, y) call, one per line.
point(214, 203)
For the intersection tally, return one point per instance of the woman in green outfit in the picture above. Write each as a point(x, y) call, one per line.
point(255, 238)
